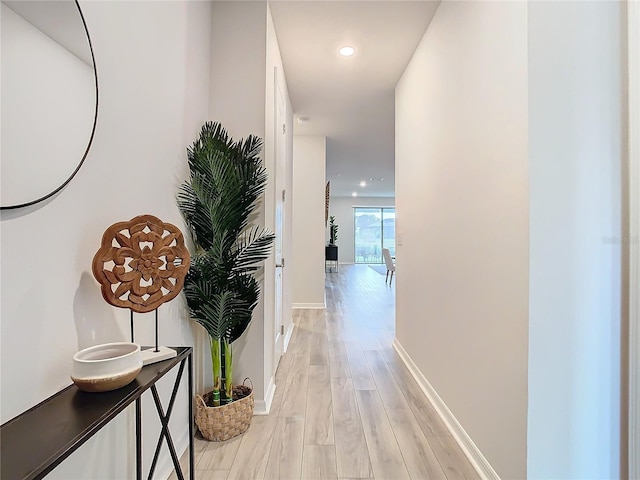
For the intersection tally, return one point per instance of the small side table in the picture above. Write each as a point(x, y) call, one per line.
point(330, 256)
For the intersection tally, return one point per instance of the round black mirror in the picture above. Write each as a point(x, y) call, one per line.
point(49, 95)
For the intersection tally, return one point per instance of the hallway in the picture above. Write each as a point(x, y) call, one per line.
point(345, 406)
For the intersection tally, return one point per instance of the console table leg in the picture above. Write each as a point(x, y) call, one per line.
point(164, 420)
point(190, 400)
point(138, 439)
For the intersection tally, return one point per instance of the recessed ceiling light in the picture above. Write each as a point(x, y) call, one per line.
point(354, 194)
point(347, 51)
point(363, 183)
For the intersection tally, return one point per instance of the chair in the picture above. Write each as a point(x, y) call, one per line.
point(390, 265)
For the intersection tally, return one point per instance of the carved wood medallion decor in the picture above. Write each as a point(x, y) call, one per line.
point(141, 263)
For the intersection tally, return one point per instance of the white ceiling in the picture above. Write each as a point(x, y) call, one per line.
point(350, 100)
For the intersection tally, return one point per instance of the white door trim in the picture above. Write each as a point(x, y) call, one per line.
point(279, 162)
point(633, 19)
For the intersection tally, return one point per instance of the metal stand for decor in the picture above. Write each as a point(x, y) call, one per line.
point(153, 354)
point(140, 265)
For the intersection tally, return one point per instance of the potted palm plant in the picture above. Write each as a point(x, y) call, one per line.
point(331, 249)
point(226, 180)
point(333, 230)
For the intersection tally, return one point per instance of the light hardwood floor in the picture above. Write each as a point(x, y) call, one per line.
point(345, 405)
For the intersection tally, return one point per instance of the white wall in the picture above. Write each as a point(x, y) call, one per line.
point(153, 78)
point(309, 160)
point(462, 217)
point(242, 99)
point(342, 208)
point(575, 155)
point(633, 84)
point(238, 63)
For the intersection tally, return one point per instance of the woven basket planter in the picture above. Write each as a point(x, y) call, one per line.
point(226, 421)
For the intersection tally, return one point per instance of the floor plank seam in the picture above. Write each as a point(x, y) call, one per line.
point(385, 434)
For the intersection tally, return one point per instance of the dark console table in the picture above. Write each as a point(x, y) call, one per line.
point(36, 441)
point(330, 255)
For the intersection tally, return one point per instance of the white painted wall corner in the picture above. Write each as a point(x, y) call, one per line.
point(473, 453)
point(262, 407)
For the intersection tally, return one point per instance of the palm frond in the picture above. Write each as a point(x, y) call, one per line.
point(247, 289)
point(252, 248)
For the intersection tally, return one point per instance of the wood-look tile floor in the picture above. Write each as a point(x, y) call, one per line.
point(345, 406)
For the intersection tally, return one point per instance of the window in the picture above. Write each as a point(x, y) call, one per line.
point(375, 229)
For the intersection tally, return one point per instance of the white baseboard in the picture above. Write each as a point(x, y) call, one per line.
point(287, 337)
point(309, 306)
point(262, 407)
point(473, 453)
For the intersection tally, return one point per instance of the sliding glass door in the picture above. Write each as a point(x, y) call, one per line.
point(375, 229)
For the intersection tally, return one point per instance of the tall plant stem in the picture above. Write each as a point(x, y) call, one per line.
point(228, 370)
point(217, 370)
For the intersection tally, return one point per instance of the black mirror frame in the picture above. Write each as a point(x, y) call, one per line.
point(93, 130)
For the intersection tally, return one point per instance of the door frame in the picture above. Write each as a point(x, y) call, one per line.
point(280, 181)
point(355, 228)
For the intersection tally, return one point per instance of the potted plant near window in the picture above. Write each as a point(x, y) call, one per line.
point(333, 230)
point(331, 250)
point(226, 180)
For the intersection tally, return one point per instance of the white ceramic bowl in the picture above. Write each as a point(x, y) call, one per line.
point(106, 367)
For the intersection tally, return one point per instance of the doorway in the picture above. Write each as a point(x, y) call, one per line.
point(375, 229)
point(280, 197)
